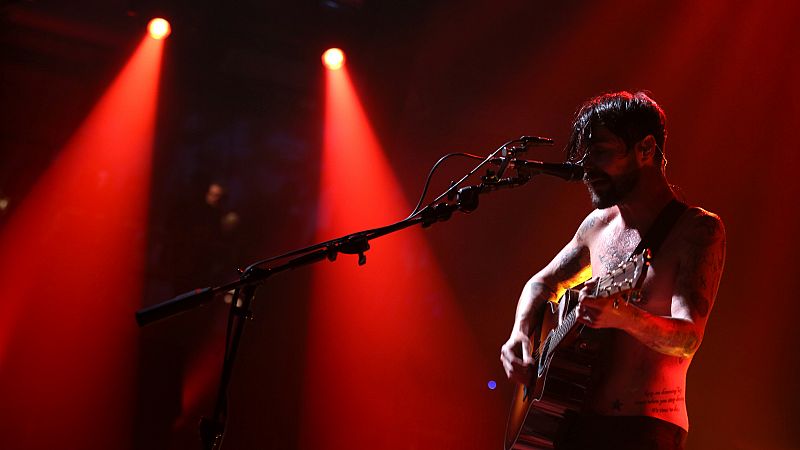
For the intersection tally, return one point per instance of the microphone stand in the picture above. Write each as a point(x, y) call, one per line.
point(465, 199)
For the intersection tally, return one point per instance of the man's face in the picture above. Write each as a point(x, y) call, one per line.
point(214, 194)
point(611, 172)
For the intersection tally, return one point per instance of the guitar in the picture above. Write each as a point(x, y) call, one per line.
point(564, 357)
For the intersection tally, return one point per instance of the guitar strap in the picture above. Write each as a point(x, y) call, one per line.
point(661, 227)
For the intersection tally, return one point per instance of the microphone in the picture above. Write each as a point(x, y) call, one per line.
point(567, 170)
point(535, 140)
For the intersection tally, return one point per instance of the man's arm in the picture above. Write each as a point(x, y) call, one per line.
point(699, 271)
point(569, 267)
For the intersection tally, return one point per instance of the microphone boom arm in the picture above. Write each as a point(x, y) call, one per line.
point(459, 198)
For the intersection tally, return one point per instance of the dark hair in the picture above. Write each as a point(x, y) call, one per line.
point(630, 116)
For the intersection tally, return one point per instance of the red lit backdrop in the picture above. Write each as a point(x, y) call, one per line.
point(389, 354)
point(71, 263)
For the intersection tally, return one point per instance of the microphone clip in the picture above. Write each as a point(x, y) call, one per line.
point(516, 148)
point(521, 145)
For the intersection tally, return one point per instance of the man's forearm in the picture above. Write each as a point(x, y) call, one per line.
point(534, 297)
point(667, 335)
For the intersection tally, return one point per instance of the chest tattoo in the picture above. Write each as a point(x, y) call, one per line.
point(617, 246)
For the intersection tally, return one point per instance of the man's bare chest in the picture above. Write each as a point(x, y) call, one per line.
point(615, 245)
point(612, 247)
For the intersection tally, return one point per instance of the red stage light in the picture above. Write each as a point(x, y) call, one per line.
point(89, 207)
point(395, 321)
point(159, 28)
point(333, 58)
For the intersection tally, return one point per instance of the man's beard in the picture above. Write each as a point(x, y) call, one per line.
point(607, 191)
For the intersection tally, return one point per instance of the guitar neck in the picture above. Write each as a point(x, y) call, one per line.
point(569, 321)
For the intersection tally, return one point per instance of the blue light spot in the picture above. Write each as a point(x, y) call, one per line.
point(491, 384)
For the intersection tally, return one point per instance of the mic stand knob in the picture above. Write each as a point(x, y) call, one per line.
point(467, 198)
point(436, 213)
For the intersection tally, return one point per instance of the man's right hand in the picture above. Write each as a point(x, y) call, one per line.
point(517, 359)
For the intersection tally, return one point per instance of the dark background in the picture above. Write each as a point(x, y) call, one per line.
point(242, 103)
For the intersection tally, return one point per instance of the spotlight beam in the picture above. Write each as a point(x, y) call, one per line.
point(394, 321)
point(72, 258)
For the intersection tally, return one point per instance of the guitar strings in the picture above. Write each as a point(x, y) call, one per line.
point(559, 332)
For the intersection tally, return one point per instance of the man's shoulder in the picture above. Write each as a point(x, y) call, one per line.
point(594, 221)
point(702, 227)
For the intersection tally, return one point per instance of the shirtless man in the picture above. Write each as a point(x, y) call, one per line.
point(638, 403)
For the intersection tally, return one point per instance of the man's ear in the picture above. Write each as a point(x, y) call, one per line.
point(646, 148)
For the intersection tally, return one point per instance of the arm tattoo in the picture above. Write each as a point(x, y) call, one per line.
point(670, 338)
point(707, 231)
point(701, 258)
point(703, 263)
point(587, 225)
point(571, 263)
point(542, 288)
point(701, 304)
